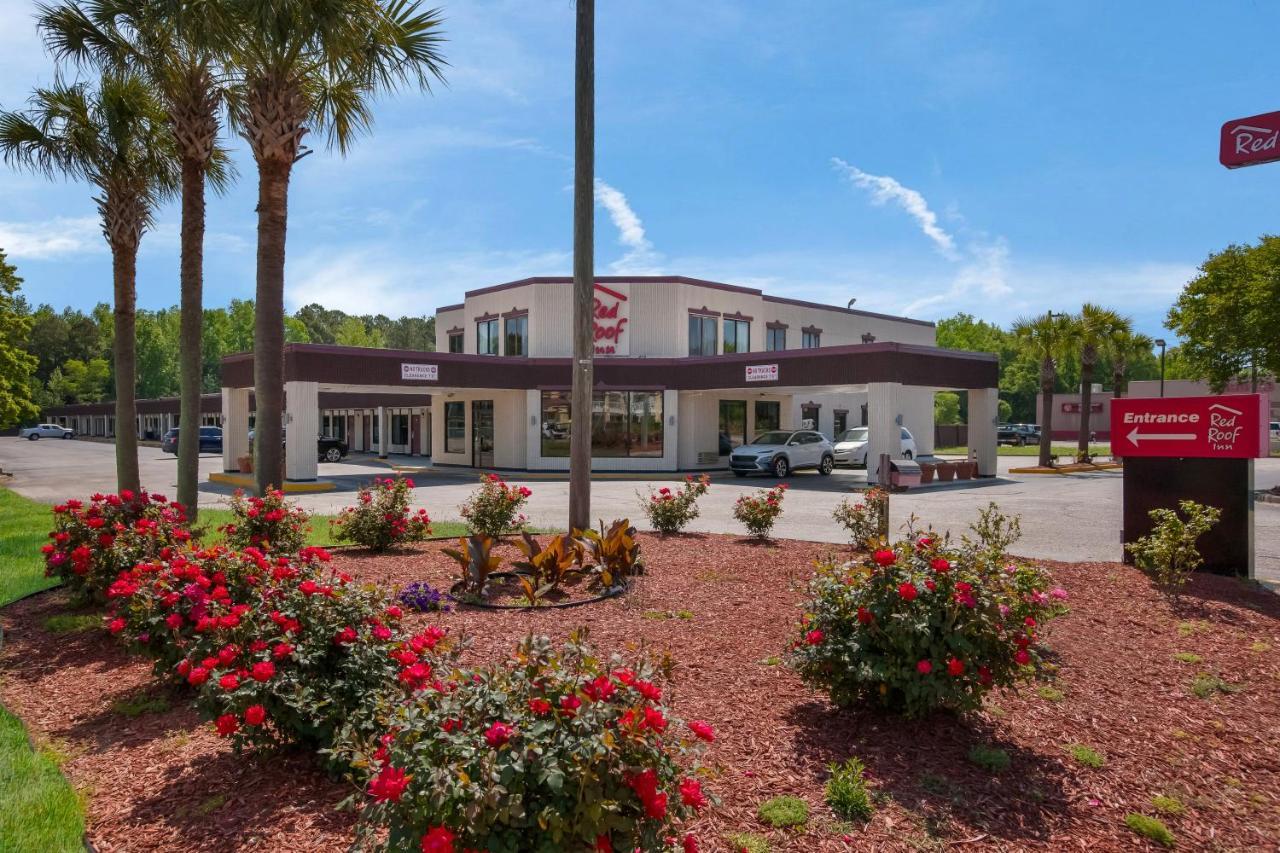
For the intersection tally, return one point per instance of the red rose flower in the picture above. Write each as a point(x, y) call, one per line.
point(924, 667)
point(116, 625)
point(690, 843)
point(955, 667)
point(649, 690)
point(540, 706)
point(1023, 657)
point(908, 591)
point(814, 637)
point(570, 704)
point(653, 719)
point(691, 794)
point(282, 650)
point(389, 785)
point(184, 668)
point(229, 681)
point(885, 557)
point(198, 676)
point(865, 616)
point(346, 635)
point(263, 670)
point(984, 675)
point(227, 725)
point(940, 565)
point(656, 806)
point(438, 840)
point(174, 621)
point(702, 730)
point(255, 715)
point(498, 734)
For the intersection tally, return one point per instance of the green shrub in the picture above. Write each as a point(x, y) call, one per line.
point(1168, 805)
point(993, 759)
point(748, 842)
point(1087, 756)
point(139, 704)
point(669, 510)
point(271, 523)
point(381, 516)
point(1187, 657)
point(919, 626)
point(846, 791)
point(72, 623)
point(993, 532)
point(1150, 828)
point(759, 511)
point(784, 812)
point(458, 763)
point(1169, 554)
point(1050, 693)
point(865, 520)
point(1206, 684)
point(494, 508)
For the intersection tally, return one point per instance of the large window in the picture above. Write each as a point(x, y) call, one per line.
point(455, 342)
point(733, 425)
point(487, 337)
point(840, 420)
point(517, 332)
point(623, 423)
point(775, 338)
point(455, 428)
point(737, 336)
point(768, 416)
point(702, 335)
point(811, 338)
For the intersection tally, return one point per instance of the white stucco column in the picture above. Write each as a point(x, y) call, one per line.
point(235, 427)
point(983, 414)
point(301, 429)
point(384, 429)
point(884, 406)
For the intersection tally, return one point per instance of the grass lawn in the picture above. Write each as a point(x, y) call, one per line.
point(1027, 450)
point(24, 527)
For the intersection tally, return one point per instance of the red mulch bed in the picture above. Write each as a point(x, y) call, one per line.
point(722, 607)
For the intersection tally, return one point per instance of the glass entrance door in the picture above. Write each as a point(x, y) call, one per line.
point(482, 433)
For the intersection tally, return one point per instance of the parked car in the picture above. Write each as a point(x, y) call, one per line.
point(210, 440)
point(40, 431)
point(327, 449)
point(1018, 434)
point(851, 446)
point(779, 452)
point(1275, 431)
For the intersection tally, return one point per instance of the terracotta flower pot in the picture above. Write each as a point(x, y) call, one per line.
point(926, 472)
point(245, 464)
point(946, 472)
point(964, 470)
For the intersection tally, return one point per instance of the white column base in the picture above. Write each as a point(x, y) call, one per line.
point(983, 414)
point(235, 427)
point(301, 429)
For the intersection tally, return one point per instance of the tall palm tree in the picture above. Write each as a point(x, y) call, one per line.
point(168, 44)
point(1093, 329)
point(1047, 339)
point(299, 66)
point(1121, 348)
point(115, 138)
point(584, 132)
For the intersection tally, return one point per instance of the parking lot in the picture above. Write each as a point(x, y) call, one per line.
point(1063, 517)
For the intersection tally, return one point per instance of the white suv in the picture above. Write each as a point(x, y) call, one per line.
point(779, 452)
point(46, 431)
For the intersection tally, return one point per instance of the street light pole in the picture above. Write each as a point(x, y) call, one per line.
point(1160, 342)
point(584, 129)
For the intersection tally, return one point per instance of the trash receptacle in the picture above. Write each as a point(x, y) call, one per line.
point(904, 473)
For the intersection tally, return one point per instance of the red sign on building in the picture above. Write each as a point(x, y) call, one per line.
point(611, 315)
point(1250, 141)
point(1227, 426)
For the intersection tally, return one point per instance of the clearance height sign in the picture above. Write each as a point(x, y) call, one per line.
point(1232, 426)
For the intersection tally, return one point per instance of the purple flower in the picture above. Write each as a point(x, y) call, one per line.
point(422, 596)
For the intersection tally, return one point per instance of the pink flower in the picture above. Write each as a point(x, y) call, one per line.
point(924, 667)
point(498, 734)
point(1059, 593)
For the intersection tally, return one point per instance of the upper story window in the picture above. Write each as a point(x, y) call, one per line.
point(455, 341)
point(737, 336)
point(775, 338)
point(487, 337)
point(702, 335)
point(811, 338)
point(517, 334)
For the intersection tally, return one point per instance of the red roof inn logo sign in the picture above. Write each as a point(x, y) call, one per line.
point(1229, 426)
point(1250, 141)
point(611, 313)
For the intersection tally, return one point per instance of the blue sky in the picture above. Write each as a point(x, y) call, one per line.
point(926, 158)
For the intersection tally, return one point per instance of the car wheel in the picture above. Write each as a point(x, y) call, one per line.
point(66, 435)
point(828, 464)
point(1020, 441)
point(33, 437)
point(781, 467)
point(333, 454)
point(907, 454)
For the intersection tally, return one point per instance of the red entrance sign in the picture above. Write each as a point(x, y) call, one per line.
point(1228, 426)
point(1250, 141)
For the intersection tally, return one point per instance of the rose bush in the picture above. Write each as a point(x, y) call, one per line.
point(758, 512)
point(494, 508)
point(864, 518)
point(669, 510)
point(381, 516)
point(920, 625)
point(553, 750)
point(270, 523)
point(91, 544)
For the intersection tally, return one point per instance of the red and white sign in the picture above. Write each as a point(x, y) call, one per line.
point(611, 313)
point(762, 373)
point(1250, 141)
point(1226, 426)
point(423, 372)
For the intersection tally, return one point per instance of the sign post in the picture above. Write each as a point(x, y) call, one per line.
point(1193, 448)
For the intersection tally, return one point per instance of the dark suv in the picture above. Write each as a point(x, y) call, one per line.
point(327, 449)
point(1018, 434)
point(210, 440)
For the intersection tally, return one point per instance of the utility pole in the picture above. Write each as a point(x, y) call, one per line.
point(584, 130)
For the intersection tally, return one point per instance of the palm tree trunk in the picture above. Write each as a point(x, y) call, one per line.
point(268, 326)
point(1086, 404)
point(124, 270)
point(583, 267)
point(190, 345)
point(1118, 383)
point(1047, 380)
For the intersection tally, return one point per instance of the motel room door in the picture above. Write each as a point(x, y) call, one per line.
point(482, 433)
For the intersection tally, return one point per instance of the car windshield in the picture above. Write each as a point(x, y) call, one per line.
point(776, 437)
point(858, 434)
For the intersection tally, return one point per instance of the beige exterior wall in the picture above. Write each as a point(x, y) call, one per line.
point(508, 437)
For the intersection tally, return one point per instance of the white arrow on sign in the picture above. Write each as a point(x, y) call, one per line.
point(1159, 436)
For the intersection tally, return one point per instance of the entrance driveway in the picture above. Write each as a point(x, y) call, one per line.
point(1063, 517)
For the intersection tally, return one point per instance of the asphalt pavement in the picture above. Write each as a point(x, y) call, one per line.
point(1075, 517)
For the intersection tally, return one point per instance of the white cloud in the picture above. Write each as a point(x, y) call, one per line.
point(52, 238)
point(885, 189)
point(640, 258)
